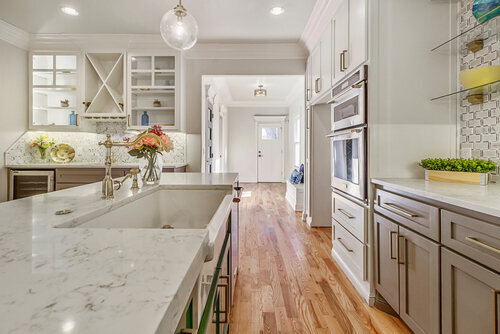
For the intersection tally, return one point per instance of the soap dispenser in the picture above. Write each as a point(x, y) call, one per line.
point(145, 119)
point(72, 118)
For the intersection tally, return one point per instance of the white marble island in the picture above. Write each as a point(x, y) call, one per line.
point(88, 280)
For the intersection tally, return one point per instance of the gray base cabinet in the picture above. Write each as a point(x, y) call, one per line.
point(387, 268)
point(470, 296)
point(407, 274)
point(437, 265)
point(418, 282)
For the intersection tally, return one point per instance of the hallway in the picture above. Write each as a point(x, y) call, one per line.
point(288, 281)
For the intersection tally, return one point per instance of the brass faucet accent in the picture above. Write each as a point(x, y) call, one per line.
point(107, 183)
point(133, 174)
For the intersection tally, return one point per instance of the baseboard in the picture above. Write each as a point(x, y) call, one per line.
point(363, 287)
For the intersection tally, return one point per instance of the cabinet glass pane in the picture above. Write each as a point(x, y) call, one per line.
point(43, 78)
point(164, 63)
point(164, 79)
point(66, 62)
point(47, 106)
point(141, 63)
point(66, 78)
point(141, 79)
point(43, 62)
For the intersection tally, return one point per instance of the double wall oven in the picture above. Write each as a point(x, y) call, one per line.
point(349, 135)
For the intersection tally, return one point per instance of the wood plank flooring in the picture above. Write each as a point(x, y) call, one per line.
point(288, 281)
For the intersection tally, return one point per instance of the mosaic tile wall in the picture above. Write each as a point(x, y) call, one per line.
point(480, 124)
point(87, 149)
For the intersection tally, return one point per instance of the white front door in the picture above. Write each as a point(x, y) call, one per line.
point(269, 152)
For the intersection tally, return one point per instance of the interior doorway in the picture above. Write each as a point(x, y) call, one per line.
point(254, 131)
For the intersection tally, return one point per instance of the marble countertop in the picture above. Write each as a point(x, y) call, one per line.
point(52, 165)
point(78, 280)
point(485, 199)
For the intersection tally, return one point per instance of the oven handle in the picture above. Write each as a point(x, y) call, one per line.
point(357, 85)
point(355, 131)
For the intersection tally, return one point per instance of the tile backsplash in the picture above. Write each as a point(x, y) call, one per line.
point(479, 125)
point(87, 149)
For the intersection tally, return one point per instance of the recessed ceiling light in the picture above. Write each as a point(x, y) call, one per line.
point(277, 10)
point(69, 11)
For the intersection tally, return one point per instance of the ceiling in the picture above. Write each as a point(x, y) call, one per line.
point(218, 20)
point(239, 90)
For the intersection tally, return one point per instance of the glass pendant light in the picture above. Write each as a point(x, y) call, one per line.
point(260, 92)
point(179, 28)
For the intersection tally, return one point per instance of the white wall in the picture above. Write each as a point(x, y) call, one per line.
point(195, 68)
point(13, 102)
point(242, 139)
point(296, 110)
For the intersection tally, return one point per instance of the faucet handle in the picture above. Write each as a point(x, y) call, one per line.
point(134, 172)
point(108, 140)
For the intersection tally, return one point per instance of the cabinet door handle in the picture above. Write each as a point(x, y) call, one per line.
point(482, 244)
point(128, 120)
point(397, 209)
point(344, 66)
point(308, 94)
point(390, 237)
point(343, 245)
point(347, 214)
point(341, 62)
point(76, 120)
point(401, 258)
point(317, 85)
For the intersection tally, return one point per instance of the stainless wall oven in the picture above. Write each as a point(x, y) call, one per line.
point(348, 101)
point(348, 170)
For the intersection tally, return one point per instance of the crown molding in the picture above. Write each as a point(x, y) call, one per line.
point(154, 41)
point(13, 35)
point(246, 51)
point(321, 15)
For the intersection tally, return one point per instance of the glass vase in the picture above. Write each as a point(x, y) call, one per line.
point(43, 153)
point(151, 166)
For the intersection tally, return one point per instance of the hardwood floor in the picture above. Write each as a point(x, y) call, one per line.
point(288, 281)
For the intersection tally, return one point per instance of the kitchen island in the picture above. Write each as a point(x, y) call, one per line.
point(98, 280)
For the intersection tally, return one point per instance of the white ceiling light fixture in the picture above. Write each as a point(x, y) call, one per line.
point(260, 92)
point(179, 28)
point(277, 11)
point(69, 11)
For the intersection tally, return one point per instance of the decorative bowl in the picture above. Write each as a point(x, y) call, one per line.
point(480, 76)
point(62, 153)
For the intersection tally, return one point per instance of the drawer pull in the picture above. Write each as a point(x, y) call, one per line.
point(401, 211)
point(390, 236)
point(482, 244)
point(343, 245)
point(347, 214)
point(401, 248)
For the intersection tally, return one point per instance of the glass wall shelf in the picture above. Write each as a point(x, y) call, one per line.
point(486, 89)
point(458, 44)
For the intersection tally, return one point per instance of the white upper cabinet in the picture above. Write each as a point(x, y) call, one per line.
point(357, 33)
point(326, 59)
point(154, 90)
point(54, 83)
point(341, 40)
point(316, 71)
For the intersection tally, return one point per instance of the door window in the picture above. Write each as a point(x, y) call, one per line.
point(269, 133)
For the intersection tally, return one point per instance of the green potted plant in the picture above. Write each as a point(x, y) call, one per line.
point(474, 171)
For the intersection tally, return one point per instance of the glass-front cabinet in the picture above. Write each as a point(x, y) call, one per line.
point(54, 98)
point(153, 91)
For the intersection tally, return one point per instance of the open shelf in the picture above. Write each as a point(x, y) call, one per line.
point(464, 93)
point(479, 32)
